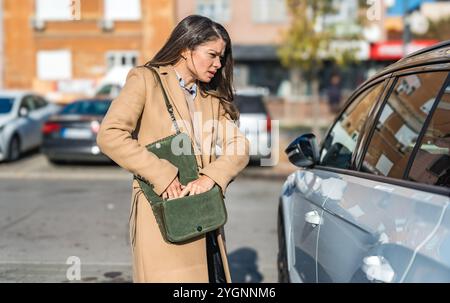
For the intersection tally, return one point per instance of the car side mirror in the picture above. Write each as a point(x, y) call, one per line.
point(303, 151)
point(23, 112)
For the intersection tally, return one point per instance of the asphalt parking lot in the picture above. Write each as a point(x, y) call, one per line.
point(50, 213)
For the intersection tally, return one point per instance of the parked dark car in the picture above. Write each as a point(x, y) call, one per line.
point(372, 203)
point(71, 134)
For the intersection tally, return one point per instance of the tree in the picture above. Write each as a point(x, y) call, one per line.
point(439, 29)
point(310, 40)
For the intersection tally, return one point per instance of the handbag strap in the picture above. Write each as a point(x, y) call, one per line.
point(166, 100)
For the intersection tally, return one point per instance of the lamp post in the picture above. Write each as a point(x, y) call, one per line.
point(406, 28)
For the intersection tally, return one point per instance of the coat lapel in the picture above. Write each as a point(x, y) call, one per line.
point(176, 97)
point(207, 129)
point(204, 105)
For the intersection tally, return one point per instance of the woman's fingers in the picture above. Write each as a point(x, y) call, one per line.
point(173, 190)
point(197, 189)
point(178, 189)
point(200, 190)
point(189, 188)
point(192, 188)
point(185, 190)
point(170, 194)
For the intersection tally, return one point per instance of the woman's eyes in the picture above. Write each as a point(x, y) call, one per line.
point(221, 58)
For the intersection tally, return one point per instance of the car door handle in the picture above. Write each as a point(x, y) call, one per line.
point(313, 217)
point(378, 269)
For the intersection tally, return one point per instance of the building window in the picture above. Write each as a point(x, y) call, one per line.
point(54, 65)
point(57, 10)
point(217, 10)
point(121, 58)
point(120, 10)
point(269, 11)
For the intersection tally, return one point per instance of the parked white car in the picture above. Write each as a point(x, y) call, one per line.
point(255, 123)
point(22, 115)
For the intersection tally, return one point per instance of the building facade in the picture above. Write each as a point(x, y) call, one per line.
point(255, 27)
point(2, 47)
point(66, 46)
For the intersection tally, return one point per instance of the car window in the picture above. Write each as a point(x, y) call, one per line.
point(432, 162)
point(28, 103)
point(34, 104)
point(110, 90)
point(250, 104)
point(40, 102)
point(400, 123)
point(340, 143)
point(86, 108)
point(6, 105)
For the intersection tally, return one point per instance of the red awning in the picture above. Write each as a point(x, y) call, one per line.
point(393, 50)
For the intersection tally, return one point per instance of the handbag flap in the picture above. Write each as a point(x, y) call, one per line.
point(191, 216)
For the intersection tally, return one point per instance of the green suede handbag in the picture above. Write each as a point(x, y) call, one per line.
point(189, 217)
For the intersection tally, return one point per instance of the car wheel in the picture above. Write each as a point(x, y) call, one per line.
point(14, 149)
point(282, 265)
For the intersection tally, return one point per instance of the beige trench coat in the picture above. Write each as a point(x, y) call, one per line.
point(137, 117)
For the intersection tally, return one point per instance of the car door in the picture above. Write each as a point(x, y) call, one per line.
point(312, 187)
point(301, 202)
point(36, 115)
point(376, 223)
point(27, 125)
point(42, 111)
point(430, 166)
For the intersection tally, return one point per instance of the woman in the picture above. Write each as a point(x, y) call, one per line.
point(195, 67)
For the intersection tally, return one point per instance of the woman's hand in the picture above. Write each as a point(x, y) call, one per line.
point(173, 190)
point(201, 185)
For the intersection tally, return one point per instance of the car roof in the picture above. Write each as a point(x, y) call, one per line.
point(438, 53)
point(440, 45)
point(92, 100)
point(15, 93)
point(435, 54)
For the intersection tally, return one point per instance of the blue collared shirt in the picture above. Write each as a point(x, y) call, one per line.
point(192, 91)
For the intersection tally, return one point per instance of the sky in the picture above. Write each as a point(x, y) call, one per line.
point(398, 7)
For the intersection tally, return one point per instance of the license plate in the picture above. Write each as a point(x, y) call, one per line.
point(74, 133)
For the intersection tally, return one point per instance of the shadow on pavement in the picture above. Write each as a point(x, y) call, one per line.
point(243, 266)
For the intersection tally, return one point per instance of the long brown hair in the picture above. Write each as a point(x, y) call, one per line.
point(191, 32)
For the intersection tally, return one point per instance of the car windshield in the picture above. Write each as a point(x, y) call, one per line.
point(89, 107)
point(250, 104)
point(6, 105)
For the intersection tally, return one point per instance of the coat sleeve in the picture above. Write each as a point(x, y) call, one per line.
point(235, 152)
point(115, 136)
